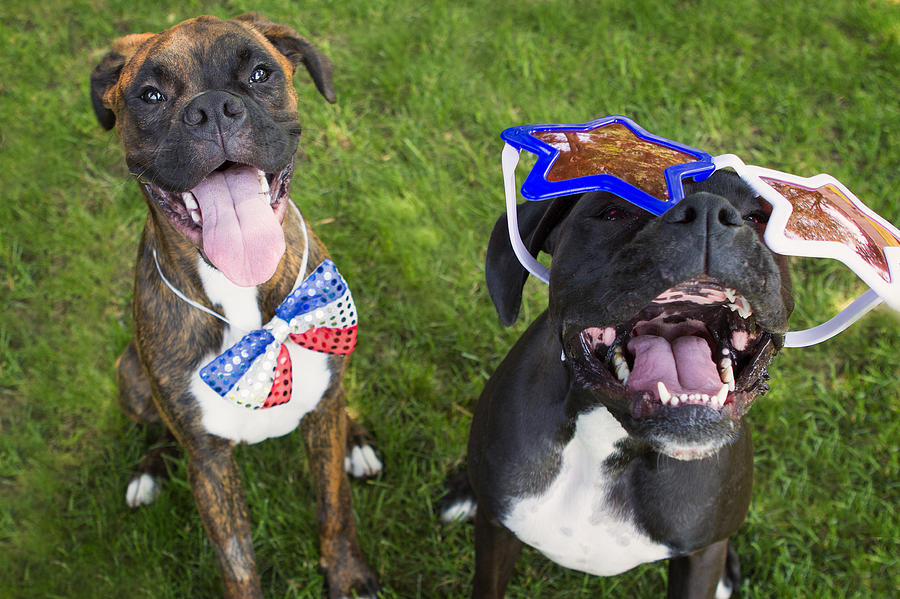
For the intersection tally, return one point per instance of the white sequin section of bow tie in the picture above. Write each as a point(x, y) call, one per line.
point(318, 315)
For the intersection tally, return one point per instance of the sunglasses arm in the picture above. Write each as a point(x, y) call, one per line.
point(509, 160)
point(837, 324)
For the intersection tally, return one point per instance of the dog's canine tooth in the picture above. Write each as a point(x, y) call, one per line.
point(727, 373)
point(621, 365)
point(718, 400)
point(730, 294)
point(195, 216)
point(664, 396)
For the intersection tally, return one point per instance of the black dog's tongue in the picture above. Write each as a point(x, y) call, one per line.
point(241, 234)
point(684, 365)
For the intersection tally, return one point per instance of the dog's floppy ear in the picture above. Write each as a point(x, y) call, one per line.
point(106, 74)
point(295, 49)
point(538, 226)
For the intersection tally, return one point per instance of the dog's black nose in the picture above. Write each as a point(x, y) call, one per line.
point(214, 114)
point(704, 214)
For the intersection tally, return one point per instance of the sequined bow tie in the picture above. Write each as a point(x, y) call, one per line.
point(319, 314)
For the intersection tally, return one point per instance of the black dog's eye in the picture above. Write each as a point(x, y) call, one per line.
point(614, 213)
point(151, 95)
point(757, 217)
point(259, 74)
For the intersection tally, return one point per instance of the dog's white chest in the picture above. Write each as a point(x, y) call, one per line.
point(310, 372)
point(572, 523)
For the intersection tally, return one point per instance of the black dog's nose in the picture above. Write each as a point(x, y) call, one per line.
point(214, 114)
point(704, 214)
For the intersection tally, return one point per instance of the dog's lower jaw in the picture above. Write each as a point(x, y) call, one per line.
point(689, 432)
point(689, 452)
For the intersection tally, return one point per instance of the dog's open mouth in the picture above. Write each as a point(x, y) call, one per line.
point(234, 216)
point(696, 344)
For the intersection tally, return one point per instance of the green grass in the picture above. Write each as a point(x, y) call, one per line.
point(403, 177)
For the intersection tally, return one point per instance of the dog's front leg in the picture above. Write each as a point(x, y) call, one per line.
point(698, 575)
point(496, 552)
point(216, 484)
point(325, 434)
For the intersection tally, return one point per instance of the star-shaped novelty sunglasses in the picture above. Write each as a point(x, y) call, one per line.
point(811, 216)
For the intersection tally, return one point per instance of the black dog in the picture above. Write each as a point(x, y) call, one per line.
point(612, 434)
point(207, 113)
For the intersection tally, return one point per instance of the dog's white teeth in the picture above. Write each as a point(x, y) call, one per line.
point(664, 396)
point(263, 182)
point(737, 303)
point(621, 365)
point(726, 372)
point(718, 400)
point(193, 208)
point(190, 202)
point(667, 398)
point(742, 307)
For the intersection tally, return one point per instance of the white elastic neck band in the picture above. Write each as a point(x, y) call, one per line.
point(508, 160)
point(300, 273)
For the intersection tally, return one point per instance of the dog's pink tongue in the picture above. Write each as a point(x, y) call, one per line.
point(685, 365)
point(241, 235)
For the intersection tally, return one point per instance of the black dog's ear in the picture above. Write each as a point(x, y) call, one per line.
point(538, 226)
point(297, 50)
point(106, 74)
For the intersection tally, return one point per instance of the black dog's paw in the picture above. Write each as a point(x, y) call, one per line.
point(731, 576)
point(458, 502)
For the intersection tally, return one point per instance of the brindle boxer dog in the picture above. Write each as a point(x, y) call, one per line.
point(207, 114)
point(577, 447)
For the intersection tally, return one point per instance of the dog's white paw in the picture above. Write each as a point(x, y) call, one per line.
point(142, 490)
point(724, 590)
point(362, 462)
point(459, 511)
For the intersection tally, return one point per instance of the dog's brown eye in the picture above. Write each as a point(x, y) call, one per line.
point(259, 74)
point(151, 95)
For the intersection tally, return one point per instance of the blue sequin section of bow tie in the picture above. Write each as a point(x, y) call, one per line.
point(319, 314)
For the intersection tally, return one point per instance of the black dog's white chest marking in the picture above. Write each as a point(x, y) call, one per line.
point(572, 522)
